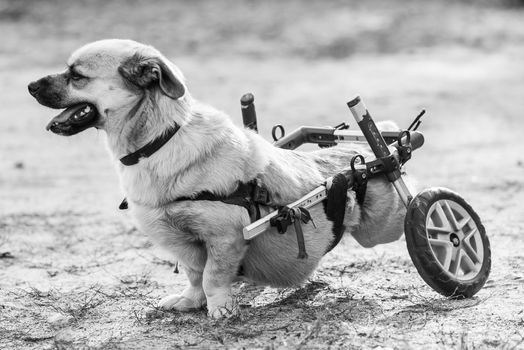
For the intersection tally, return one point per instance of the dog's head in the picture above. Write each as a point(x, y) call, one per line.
point(103, 85)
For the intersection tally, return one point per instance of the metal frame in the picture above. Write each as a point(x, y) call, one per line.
point(380, 143)
point(326, 136)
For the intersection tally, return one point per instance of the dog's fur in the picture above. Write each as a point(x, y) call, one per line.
point(138, 94)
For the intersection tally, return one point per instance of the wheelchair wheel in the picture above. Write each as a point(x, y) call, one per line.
point(447, 243)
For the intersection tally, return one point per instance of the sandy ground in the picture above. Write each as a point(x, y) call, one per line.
point(75, 274)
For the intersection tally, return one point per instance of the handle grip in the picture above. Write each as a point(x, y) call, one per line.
point(249, 116)
point(369, 128)
point(417, 140)
point(373, 136)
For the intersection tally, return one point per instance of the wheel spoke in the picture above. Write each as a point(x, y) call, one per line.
point(438, 229)
point(446, 249)
point(466, 264)
point(442, 218)
point(455, 262)
point(463, 222)
point(450, 216)
point(470, 234)
point(470, 252)
point(438, 233)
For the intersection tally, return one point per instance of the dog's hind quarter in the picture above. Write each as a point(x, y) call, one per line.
point(272, 257)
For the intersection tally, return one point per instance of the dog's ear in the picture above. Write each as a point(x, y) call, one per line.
point(146, 72)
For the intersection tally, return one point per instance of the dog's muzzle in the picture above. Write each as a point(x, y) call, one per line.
point(74, 119)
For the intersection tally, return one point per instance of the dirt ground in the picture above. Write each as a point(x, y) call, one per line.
point(76, 274)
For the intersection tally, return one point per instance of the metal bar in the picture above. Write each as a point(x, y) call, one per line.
point(309, 200)
point(378, 145)
point(403, 190)
point(326, 135)
point(293, 140)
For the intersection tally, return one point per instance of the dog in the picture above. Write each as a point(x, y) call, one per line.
point(136, 95)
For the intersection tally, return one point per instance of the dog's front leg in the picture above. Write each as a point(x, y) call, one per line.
point(192, 297)
point(223, 261)
point(192, 257)
point(183, 245)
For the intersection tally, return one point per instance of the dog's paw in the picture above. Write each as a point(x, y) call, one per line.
point(189, 299)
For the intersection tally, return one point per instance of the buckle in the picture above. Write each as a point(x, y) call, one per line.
point(261, 194)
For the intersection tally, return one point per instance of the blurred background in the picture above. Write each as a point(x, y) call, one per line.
point(462, 61)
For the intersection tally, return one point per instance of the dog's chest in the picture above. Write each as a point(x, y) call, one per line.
point(173, 224)
point(148, 188)
point(157, 223)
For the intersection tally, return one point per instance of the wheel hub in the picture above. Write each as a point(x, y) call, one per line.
point(454, 239)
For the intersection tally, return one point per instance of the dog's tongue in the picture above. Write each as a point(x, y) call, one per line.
point(77, 114)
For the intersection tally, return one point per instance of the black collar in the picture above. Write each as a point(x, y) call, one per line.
point(151, 147)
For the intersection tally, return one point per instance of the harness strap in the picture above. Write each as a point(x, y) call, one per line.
point(248, 195)
point(300, 235)
point(252, 194)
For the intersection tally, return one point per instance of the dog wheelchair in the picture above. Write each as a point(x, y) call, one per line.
point(445, 237)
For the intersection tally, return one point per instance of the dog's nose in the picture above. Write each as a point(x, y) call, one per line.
point(33, 88)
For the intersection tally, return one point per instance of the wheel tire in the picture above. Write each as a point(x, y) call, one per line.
point(456, 265)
